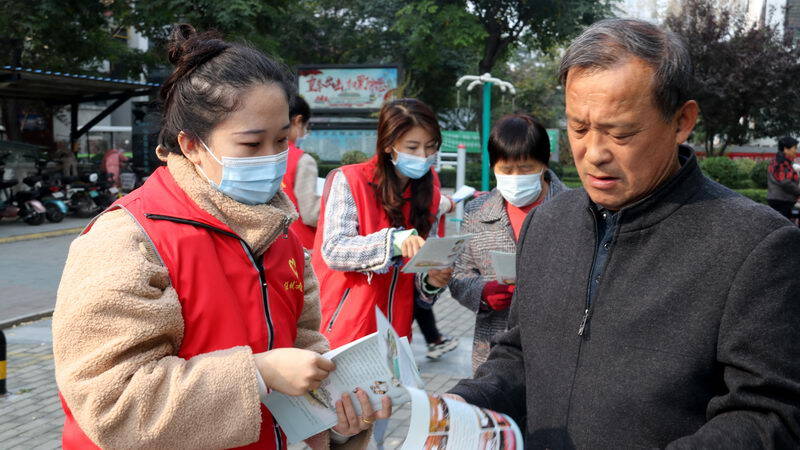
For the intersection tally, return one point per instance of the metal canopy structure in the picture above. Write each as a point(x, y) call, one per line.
point(59, 88)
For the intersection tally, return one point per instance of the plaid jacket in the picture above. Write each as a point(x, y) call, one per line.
point(782, 180)
point(486, 217)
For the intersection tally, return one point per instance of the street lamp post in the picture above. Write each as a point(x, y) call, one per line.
point(487, 80)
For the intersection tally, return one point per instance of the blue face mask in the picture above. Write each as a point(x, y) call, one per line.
point(413, 166)
point(252, 181)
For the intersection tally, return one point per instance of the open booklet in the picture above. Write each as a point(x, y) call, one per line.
point(383, 364)
point(437, 253)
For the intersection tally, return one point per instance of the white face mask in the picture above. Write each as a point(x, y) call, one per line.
point(520, 190)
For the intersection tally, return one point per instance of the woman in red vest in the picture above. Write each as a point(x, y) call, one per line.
point(374, 216)
point(300, 181)
point(188, 300)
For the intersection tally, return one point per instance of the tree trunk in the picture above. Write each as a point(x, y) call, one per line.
point(495, 45)
point(11, 120)
point(723, 148)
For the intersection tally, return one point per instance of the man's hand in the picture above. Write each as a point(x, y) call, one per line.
point(439, 278)
point(293, 371)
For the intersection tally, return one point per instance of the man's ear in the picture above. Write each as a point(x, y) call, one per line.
point(189, 147)
point(687, 119)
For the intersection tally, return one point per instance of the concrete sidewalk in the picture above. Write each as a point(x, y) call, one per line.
point(13, 231)
point(31, 416)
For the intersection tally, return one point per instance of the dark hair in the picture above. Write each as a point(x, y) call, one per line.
point(786, 142)
point(397, 118)
point(611, 42)
point(516, 137)
point(207, 83)
point(299, 107)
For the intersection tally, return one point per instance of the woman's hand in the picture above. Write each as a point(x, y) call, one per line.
point(411, 246)
point(293, 371)
point(349, 423)
point(439, 278)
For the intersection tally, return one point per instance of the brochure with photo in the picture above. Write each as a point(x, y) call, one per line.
point(437, 253)
point(441, 423)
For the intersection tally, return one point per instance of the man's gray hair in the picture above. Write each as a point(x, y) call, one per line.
point(611, 42)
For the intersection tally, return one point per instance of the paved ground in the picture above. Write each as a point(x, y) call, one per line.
point(29, 275)
point(31, 417)
point(9, 228)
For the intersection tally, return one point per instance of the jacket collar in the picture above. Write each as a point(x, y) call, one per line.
point(494, 208)
point(666, 199)
point(258, 225)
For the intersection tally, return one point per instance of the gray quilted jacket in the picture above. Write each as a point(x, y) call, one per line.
point(486, 217)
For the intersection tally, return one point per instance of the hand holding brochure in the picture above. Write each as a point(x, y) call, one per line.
point(437, 253)
point(383, 364)
point(505, 267)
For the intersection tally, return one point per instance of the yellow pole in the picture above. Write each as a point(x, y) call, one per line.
point(2, 363)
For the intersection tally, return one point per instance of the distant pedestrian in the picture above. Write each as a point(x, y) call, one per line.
point(783, 182)
point(112, 163)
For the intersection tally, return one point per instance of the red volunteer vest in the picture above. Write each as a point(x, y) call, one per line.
point(229, 296)
point(348, 299)
point(304, 232)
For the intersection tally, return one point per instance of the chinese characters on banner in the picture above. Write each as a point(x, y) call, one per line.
point(347, 88)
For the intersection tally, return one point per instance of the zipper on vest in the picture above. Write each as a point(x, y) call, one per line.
point(587, 311)
point(251, 255)
point(338, 309)
point(392, 286)
point(278, 439)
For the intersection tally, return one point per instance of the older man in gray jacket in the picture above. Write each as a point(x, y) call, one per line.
point(655, 307)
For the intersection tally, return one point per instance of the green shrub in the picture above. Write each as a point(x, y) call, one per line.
point(724, 171)
point(324, 168)
point(758, 175)
point(756, 195)
point(745, 165)
point(354, 157)
point(569, 171)
point(447, 176)
point(557, 168)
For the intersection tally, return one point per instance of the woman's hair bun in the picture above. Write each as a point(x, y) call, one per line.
point(176, 44)
point(186, 45)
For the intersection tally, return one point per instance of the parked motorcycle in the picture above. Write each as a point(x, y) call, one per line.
point(51, 197)
point(21, 204)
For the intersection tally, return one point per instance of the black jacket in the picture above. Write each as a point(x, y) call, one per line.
point(692, 337)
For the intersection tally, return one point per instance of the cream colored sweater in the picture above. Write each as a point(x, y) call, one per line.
point(117, 328)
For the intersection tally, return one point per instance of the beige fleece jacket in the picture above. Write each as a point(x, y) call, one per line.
point(117, 328)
